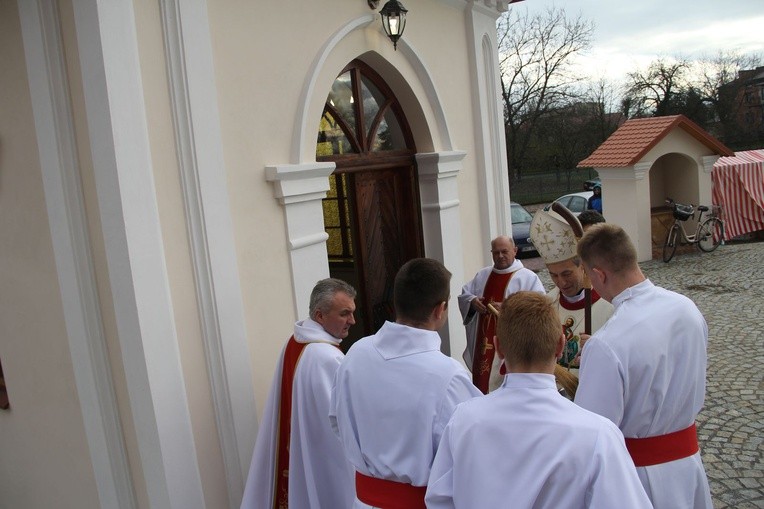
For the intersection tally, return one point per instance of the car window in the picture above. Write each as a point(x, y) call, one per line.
point(577, 204)
point(564, 201)
point(520, 215)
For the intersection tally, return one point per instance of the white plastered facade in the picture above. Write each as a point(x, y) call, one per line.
point(170, 173)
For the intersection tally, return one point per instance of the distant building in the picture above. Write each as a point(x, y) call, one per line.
point(743, 98)
point(751, 95)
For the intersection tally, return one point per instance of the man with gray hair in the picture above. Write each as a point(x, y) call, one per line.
point(298, 461)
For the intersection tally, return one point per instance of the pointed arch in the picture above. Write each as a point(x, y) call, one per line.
point(312, 97)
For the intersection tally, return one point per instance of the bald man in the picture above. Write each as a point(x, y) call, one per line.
point(491, 284)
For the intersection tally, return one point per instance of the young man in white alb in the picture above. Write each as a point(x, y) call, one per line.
point(395, 392)
point(645, 370)
point(524, 445)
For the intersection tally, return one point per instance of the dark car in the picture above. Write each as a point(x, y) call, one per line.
point(521, 230)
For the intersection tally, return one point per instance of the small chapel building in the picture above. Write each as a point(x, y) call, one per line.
point(175, 176)
point(646, 161)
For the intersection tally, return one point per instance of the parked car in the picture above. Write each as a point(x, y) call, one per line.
point(589, 184)
point(521, 230)
point(575, 202)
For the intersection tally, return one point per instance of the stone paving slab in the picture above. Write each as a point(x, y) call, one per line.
point(727, 285)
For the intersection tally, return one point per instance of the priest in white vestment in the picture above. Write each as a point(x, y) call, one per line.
point(645, 370)
point(524, 445)
point(555, 239)
point(491, 284)
point(298, 461)
point(395, 392)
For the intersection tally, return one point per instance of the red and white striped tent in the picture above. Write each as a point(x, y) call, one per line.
point(738, 186)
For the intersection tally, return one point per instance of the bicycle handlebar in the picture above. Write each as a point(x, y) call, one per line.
point(674, 204)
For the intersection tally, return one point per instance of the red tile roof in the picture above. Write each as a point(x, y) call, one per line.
point(636, 137)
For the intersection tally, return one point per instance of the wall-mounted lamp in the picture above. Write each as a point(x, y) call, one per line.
point(393, 19)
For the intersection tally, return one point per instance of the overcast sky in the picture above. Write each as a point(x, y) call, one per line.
point(629, 35)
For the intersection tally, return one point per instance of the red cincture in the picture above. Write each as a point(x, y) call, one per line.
point(664, 448)
point(388, 494)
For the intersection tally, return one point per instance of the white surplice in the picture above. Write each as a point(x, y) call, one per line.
point(392, 398)
point(525, 446)
point(319, 474)
point(645, 370)
point(522, 279)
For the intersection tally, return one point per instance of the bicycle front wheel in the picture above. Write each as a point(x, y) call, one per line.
point(669, 247)
point(710, 234)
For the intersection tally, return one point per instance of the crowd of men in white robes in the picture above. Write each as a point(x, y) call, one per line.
point(397, 424)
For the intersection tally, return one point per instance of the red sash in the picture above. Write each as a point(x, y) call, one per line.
point(663, 448)
point(482, 357)
point(388, 494)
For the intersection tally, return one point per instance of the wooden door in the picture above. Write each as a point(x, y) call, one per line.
point(387, 236)
point(371, 212)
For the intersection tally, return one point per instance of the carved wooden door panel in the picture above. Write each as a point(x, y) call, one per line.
point(387, 233)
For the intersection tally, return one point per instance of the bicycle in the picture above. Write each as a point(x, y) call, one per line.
point(708, 235)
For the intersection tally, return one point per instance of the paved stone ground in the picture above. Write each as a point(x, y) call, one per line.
point(728, 287)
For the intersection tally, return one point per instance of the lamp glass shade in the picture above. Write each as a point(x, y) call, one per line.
point(393, 20)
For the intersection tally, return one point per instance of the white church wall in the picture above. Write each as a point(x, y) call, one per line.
point(45, 460)
point(267, 84)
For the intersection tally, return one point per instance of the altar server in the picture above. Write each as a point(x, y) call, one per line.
point(395, 392)
point(645, 370)
point(524, 445)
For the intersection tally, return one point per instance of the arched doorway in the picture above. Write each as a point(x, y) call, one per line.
point(371, 212)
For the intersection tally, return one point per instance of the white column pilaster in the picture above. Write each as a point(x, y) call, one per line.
point(54, 127)
point(118, 139)
point(300, 189)
point(625, 191)
point(439, 194)
point(491, 153)
point(193, 94)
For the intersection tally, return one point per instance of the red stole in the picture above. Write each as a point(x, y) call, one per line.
point(581, 304)
point(292, 354)
point(482, 357)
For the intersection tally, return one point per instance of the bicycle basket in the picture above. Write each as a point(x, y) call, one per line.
point(683, 212)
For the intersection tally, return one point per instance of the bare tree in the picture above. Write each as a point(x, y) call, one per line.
point(715, 74)
point(604, 97)
point(708, 90)
point(658, 90)
point(536, 60)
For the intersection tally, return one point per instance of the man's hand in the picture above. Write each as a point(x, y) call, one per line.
point(478, 305)
point(582, 339)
